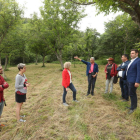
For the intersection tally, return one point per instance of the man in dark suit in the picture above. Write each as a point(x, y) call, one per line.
point(123, 82)
point(133, 78)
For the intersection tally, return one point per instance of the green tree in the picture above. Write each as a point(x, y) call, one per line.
point(61, 19)
point(10, 14)
point(131, 7)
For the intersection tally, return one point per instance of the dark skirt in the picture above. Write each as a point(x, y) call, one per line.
point(20, 98)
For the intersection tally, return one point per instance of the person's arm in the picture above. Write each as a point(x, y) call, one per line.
point(137, 83)
point(119, 68)
point(5, 85)
point(17, 83)
point(85, 62)
point(116, 72)
point(106, 69)
point(64, 76)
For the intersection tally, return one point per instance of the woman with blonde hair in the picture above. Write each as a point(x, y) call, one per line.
point(67, 82)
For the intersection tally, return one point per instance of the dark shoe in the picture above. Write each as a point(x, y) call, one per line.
point(87, 94)
point(92, 94)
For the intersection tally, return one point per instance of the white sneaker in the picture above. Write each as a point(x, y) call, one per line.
point(22, 116)
point(75, 101)
point(21, 120)
point(65, 104)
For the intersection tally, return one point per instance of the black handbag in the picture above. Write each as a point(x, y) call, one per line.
point(115, 80)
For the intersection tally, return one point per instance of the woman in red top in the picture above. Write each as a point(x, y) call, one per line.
point(67, 82)
point(111, 71)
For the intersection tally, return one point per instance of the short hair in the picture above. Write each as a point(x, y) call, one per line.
point(67, 65)
point(126, 55)
point(136, 51)
point(20, 66)
point(92, 58)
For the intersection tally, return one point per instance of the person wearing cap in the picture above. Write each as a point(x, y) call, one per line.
point(91, 72)
point(21, 85)
point(111, 71)
point(121, 73)
point(3, 85)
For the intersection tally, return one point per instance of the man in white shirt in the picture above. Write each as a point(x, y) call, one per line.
point(123, 83)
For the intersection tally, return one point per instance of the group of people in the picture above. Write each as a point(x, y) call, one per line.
point(21, 85)
point(128, 72)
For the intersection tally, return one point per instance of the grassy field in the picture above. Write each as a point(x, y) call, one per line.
point(99, 117)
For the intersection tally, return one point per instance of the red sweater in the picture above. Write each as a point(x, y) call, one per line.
point(4, 86)
point(65, 78)
point(113, 70)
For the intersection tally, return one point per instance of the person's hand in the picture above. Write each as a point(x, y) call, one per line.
point(106, 72)
point(0, 85)
point(76, 57)
point(137, 85)
point(66, 89)
point(119, 65)
point(94, 76)
point(27, 85)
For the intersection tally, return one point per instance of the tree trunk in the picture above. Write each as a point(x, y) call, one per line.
point(23, 59)
point(59, 57)
point(6, 62)
point(36, 61)
point(43, 61)
point(4, 76)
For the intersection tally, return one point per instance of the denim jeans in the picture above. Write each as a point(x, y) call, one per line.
point(132, 93)
point(109, 81)
point(1, 107)
point(71, 86)
point(124, 89)
point(91, 83)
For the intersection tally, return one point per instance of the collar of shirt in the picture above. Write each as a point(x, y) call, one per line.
point(133, 59)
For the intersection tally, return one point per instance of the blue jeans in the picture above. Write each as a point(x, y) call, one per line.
point(132, 93)
point(71, 86)
point(124, 89)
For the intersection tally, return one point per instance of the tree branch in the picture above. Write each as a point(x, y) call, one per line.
point(129, 2)
point(89, 3)
point(130, 11)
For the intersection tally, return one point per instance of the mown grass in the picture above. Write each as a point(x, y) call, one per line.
point(99, 117)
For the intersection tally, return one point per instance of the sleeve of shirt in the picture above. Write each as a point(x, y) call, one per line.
point(138, 72)
point(85, 62)
point(124, 67)
point(97, 68)
point(119, 68)
point(17, 83)
point(64, 76)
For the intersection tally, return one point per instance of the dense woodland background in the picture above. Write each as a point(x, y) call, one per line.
point(55, 36)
